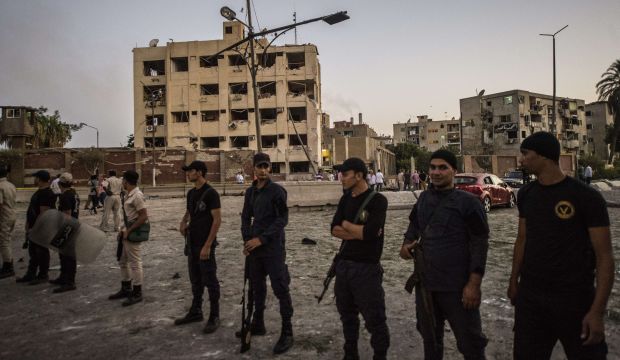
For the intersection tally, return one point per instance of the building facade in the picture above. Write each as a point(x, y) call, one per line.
point(207, 103)
point(428, 134)
point(598, 118)
point(496, 124)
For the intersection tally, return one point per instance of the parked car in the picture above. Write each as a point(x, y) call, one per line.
point(514, 178)
point(489, 188)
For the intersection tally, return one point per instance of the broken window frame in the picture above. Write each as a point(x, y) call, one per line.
point(266, 89)
point(209, 89)
point(237, 60)
point(299, 167)
point(295, 60)
point(209, 115)
point(237, 114)
point(208, 61)
point(180, 64)
point(180, 116)
point(160, 141)
point(269, 141)
point(242, 86)
point(210, 142)
point(154, 67)
point(161, 121)
point(300, 88)
point(267, 60)
point(268, 115)
point(276, 167)
point(293, 140)
point(149, 89)
point(295, 115)
point(239, 142)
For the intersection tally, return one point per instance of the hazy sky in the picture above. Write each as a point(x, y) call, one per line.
point(391, 60)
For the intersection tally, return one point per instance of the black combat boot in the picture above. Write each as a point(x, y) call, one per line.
point(7, 270)
point(193, 315)
point(285, 341)
point(212, 324)
point(134, 297)
point(123, 292)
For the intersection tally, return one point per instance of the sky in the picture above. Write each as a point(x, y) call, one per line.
point(391, 61)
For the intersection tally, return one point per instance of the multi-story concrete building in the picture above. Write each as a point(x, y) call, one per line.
point(598, 118)
point(429, 134)
point(495, 124)
point(347, 139)
point(17, 126)
point(208, 103)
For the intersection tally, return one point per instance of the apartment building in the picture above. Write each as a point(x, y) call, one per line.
point(598, 118)
point(207, 103)
point(496, 124)
point(429, 134)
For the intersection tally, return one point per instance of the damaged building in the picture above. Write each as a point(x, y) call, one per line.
point(428, 134)
point(496, 124)
point(206, 102)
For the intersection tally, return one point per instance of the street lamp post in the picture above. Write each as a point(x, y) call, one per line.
point(154, 96)
point(230, 15)
point(553, 104)
point(92, 127)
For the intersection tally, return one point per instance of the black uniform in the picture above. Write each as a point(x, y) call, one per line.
point(68, 200)
point(359, 274)
point(203, 273)
point(455, 245)
point(556, 285)
point(265, 215)
point(39, 255)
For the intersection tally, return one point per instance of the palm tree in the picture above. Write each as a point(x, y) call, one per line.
point(49, 131)
point(608, 89)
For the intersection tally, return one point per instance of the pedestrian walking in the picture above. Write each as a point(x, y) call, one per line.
point(563, 249)
point(69, 204)
point(423, 180)
point(112, 204)
point(54, 185)
point(450, 227)
point(92, 200)
point(407, 180)
point(379, 180)
point(401, 180)
point(415, 180)
point(587, 174)
point(8, 194)
point(133, 233)
point(359, 223)
point(101, 191)
point(199, 226)
point(263, 219)
point(371, 178)
point(42, 200)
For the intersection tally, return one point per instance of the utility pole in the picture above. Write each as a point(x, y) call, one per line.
point(295, 22)
point(253, 70)
point(553, 104)
point(153, 98)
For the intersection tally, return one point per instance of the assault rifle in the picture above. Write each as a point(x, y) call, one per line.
point(331, 273)
point(246, 320)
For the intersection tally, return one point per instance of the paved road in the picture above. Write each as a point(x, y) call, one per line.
point(82, 324)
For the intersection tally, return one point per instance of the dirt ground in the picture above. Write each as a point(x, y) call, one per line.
point(83, 324)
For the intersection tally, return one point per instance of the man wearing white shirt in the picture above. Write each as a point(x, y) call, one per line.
point(379, 180)
point(587, 174)
point(371, 178)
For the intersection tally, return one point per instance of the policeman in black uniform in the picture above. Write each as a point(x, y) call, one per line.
point(264, 217)
point(43, 199)
point(359, 274)
point(204, 216)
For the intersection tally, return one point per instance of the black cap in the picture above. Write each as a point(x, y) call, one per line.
point(131, 177)
point(42, 174)
point(446, 155)
point(196, 165)
point(355, 164)
point(544, 144)
point(261, 158)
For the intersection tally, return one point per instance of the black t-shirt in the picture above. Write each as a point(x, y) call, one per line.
point(369, 249)
point(558, 250)
point(200, 213)
point(41, 197)
point(69, 200)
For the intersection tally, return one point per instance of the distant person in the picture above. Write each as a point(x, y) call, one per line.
point(101, 190)
point(42, 200)
point(69, 204)
point(423, 180)
point(415, 180)
point(112, 204)
point(92, 200)
point(401, 180)
point(371, 179)
point(587, 174)
point(407, 180)
point(239, 178)
point(563, 266)
point(319, 176)
point(379, 180)
point(8, 195)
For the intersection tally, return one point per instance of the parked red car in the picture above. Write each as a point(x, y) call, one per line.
point(490, 189)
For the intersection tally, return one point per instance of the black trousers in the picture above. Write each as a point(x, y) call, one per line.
point(465, 325)
point(359, 289)
point(542, 318)
point(39, 260)
point(203, 273)
point(68, 268)
point(274, 267)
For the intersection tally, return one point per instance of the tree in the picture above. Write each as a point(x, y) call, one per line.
point(130, 141)
point(405, 151)
point(92, 160)
point(50, 131)
point(608, 89)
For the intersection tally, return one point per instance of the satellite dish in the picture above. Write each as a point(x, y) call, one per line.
point(481, 92)
point(153, 43)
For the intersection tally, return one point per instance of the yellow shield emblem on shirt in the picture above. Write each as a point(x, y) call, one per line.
point(564, 210)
